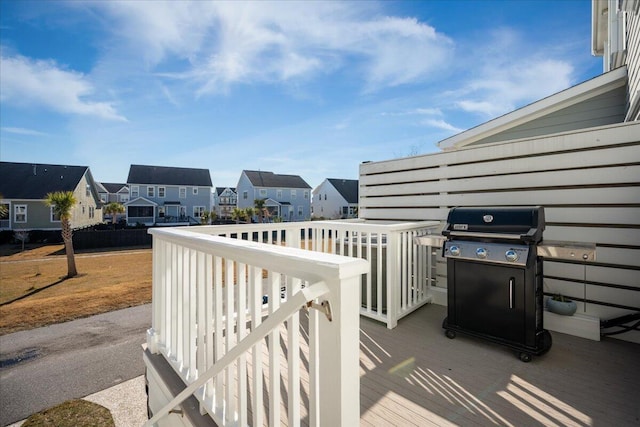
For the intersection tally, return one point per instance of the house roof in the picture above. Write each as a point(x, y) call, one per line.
point(272, 180)
point(220, 190)
point(574, 95)
point(166, 175)
point(33, 181)
point(348, 188)
point(113, 187)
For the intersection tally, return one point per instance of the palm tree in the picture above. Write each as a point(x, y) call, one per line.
point(260, 208)
point(249, 213)
point(237, 214)
point(113, 209)
point(62, 202)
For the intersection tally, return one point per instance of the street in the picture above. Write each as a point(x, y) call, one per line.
point(43, 367)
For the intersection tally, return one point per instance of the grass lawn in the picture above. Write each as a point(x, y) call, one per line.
point(106, 281)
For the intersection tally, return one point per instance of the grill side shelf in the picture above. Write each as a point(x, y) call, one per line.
point(574, 251)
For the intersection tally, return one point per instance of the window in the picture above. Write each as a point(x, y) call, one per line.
point(198, 211)
point(52, 215)
point(182, 192)
point(293, 194)
point(245, 194)
point(140, 211)
point(135, 191)
point(306, 194)
point(151, 191)
point(325, 197)
point(88, 190)
point(195, 191)
point(279, 194)
point(263, 192)
point(103, 198)
point(92, 212)
point(161, 192)
point(300, 211)
point(124, 198)
point(20, 213)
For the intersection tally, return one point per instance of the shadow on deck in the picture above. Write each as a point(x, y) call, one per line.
point(414, 375)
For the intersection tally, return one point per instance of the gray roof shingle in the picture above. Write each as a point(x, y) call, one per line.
point(165, 175)
point(272, 180)
point(348, 188)
point(32, 181)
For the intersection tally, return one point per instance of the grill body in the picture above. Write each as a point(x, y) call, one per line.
point(494, 277)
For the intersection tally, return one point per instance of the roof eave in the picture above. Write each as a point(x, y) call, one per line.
point(566, 98)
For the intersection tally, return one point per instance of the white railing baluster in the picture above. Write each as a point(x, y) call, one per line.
point(242, 332)
point(255, 281)
point(293, 357)
point(219, 327)
point(230, 377)
point(210, 332)
point(201, 330)
point(274, 352)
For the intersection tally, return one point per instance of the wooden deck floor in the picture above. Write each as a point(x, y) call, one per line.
point(414, 376)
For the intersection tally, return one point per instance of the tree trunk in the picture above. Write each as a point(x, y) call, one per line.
point(67, 237)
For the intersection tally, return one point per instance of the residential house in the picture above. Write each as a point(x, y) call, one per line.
point(335, 199)
point(287, 197)
point(225, 199)
point(24, 187)
point(162, 195)
point(113, 192)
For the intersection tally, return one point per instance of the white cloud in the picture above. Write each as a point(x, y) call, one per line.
point(226, 43)
point(441, 124)
point(42, 83)
point(23, 131)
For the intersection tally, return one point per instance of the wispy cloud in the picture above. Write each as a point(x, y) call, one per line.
point(227, 43)
point(23, 131)
point(39, 83)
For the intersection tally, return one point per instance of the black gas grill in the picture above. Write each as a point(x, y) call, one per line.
point(494, 277)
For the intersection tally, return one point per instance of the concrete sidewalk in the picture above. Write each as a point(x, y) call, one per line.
point(126, 401)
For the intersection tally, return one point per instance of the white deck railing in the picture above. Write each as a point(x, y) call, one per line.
point(215, 299)
point(401, 273)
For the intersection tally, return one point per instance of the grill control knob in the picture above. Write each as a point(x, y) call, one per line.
point(454, 250)
point(511, 255)
point(481, 253)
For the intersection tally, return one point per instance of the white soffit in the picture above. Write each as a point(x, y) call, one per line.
point(568, 97)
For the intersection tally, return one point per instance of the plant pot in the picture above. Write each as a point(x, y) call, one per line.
point(564, 308)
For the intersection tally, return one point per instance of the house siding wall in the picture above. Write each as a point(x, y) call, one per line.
point(172, 194)
point(608, 108)
point(588, 182)
point(81, 212)
point(331, 208)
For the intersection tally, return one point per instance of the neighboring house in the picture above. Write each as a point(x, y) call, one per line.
point(112, 192)
point(225, 199)
point(162, 195)
point(24, 187)
point(287, 197)
point(335, 199)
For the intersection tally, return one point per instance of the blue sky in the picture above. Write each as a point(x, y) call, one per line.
point(309, 88)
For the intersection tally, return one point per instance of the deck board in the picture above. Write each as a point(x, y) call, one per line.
point(414, 375)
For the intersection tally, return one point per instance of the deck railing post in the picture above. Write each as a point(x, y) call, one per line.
point(393, 278)
point(338, 356)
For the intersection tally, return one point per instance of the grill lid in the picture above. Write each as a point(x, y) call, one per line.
point(525, 224)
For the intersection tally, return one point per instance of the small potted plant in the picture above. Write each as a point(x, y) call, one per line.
point(562, 305)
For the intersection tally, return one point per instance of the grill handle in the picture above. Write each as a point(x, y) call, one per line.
point(511, 284)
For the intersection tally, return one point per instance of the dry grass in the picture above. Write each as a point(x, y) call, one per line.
point(72, 413)
point(106, 281)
